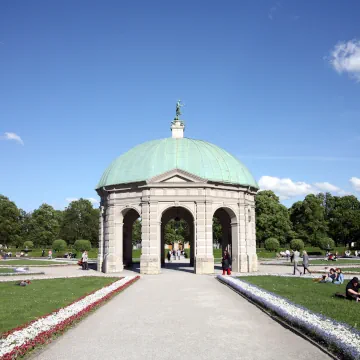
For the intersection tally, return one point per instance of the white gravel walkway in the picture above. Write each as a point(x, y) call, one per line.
point(179, 315)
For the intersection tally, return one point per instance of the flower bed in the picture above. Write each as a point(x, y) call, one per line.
point(340, 338)
point(18, 341)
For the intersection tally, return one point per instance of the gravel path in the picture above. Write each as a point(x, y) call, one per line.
point(178, 315)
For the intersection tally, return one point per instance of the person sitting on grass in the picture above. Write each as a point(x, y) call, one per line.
point(352, 289)
point(330, 277)
point(339, 277)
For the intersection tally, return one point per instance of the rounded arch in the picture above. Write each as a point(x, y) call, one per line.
point(121, 211)
point(129, 216)
point(184, 213)
point(227, 219)
point(179, 205)
point(229, 211)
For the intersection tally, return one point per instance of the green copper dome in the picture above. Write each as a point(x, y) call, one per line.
point(197, 157)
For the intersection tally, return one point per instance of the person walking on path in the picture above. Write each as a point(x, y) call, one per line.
point(226, 263)
point(50, 254)
point(85, 258)
point(169, 256)
point(296, 261)
point(178, 254)
point(306, 262)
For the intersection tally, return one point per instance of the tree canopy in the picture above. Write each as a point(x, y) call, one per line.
point(272, 218)
point(80, 221)
point(9, 222)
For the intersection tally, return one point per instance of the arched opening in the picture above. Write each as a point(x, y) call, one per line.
point(223, 219)
point(177, 233)
point(131, 237)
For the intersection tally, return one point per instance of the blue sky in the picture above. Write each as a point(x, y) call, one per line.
point(274, 83)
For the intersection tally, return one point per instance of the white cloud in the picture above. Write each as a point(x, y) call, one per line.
point(286, 188)
point(355, 182)
point(273, 10)
point(12, 136)
point(71, 199)
point(345, 57)
point(92, 200)
point(327, 187)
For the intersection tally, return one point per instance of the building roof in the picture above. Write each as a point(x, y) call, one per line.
point(197, 157)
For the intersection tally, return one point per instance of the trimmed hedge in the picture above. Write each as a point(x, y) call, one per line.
point(297, 244)
point(59, 245)
point(272, 244)
point(28, 244)
point(82, 245)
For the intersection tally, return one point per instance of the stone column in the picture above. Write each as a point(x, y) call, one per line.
point(150, 237)
point(101, 240)
point(114, 257)
point(192, 242)
point(162, 244)
point(251, 243)
point(243, 258)
point(235, 247)
point(204, 258)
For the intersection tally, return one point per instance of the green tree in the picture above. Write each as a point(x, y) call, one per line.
point(308, 219)
point(9, 222)
point(80, 221)
point(44, 225)
point(326, 243)
point(136, 232)
point(217, 231)
point(344, 220)
point(176, 231)
point(272, 244)
point(28, 244)
point(272, 218)
point(82, 245)
point(59, 245)
point(24, 226)
point(297, 244)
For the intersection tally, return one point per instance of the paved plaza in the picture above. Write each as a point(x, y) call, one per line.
point(178, 315)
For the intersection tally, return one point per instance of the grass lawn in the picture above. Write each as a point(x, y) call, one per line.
point(28, 262)
point(317, 297)
point(354, 269)
point(6, 270)
point(262, 253)
point(334, 263)
point(20, 305)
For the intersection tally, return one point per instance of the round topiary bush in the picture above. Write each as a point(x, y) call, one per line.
point(59, 245)
point(272, 244)
point(326, 243)
point(28, 244)
point(297, 244)
point(82, 245)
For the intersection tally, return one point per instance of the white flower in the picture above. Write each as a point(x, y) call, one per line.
point(22, 336)
point(329, 329)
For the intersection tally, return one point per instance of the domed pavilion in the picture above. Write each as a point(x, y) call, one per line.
point(176, 178)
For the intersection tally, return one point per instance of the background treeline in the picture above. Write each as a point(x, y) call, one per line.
point(45, 224)
point(319, 220)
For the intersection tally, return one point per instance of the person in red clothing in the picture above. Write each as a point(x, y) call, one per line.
point(226, 263)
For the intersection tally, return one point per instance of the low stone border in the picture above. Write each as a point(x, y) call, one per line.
point(340, 338)
point(18, 341)
point(29, 265)
point(22, 273)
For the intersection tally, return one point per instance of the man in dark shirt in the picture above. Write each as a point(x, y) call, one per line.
point(352, 289)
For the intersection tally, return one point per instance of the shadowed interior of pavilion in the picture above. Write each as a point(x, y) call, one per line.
point(132, 240)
